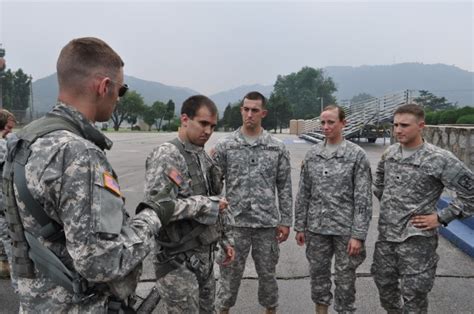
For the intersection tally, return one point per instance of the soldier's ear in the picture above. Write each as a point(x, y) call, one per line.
point(184, 119)
point(421, 124)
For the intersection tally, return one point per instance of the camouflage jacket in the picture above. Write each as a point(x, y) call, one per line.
point(162, 182)
point(77, 187)
point(3, 153)
point(335, 196)
point(412, 186)
point(252, 174)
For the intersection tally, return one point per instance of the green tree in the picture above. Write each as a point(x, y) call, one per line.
point(279, 113)
point(16, 90)
point(129, 106)
point(150, 115)
point(160, 110)
point(361, 97)
point(304, 89)
point(431, 102)
point(169, 111)
point(225, 121)
point(235, 118)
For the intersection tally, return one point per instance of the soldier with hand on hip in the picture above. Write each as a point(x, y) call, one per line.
point(410, 178)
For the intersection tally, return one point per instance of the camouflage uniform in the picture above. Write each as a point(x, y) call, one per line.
point(407, 187)
point(333, 205)
point(4, 239)
point(72, 180)
point(253, 172)
point(186, 290)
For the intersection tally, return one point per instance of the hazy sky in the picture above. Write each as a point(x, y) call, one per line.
point(214, 46)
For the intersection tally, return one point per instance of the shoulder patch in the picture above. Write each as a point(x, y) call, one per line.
point(111, 184)
point(175, 176)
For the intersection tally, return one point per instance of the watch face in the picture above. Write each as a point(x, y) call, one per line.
point(442, 222)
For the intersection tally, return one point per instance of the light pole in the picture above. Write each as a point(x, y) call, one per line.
point(321, 103)
point(2, 67)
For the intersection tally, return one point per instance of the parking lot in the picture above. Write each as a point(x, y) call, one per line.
point(454, 284)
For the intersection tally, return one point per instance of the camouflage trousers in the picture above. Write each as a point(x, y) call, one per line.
point(185, 291)
point(411, 264)
point(265, 253)
point(5, 243)
point(319, 251)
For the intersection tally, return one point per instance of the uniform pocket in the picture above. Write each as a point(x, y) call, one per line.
point(107, 207)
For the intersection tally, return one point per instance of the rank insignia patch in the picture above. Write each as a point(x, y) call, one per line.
point(111, 184)
point(175, 176)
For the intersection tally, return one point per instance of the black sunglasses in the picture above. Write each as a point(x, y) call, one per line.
point(123, 88)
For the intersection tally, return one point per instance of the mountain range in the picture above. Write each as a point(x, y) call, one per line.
point(456, 84)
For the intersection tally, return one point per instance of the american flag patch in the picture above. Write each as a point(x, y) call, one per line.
point(111, 184)
point(175, 176)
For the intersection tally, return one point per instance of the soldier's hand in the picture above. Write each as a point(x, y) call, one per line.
point(354, 246)
point(223, 204)
point(426, 222)
point(282, 233)
point(230, 255)
point(300, 239)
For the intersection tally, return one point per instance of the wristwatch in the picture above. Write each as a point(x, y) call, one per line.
point(442, 222)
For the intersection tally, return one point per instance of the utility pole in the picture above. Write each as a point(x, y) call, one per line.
point(2, 67)
point(31, 99)
point(322, 106)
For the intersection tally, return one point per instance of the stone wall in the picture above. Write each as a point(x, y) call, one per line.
point(457, 139)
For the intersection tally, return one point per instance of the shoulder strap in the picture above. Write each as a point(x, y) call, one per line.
point(50, 229)
point(198, 183)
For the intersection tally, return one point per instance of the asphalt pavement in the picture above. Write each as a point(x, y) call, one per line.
point(452, 291)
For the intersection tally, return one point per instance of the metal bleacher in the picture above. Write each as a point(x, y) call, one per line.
point(374, 111)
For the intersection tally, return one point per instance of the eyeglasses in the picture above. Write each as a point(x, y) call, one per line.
point(123, 88)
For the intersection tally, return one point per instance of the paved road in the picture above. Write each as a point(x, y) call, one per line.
point(453, 288)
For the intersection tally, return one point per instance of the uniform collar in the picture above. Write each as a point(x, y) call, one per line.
point(414, 158)
point(339, 152)
point(88, 129)
point(263, 138)
point(189, 147)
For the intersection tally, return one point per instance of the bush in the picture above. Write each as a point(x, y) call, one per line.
point(448, 117)
point(467, 119)
point(464, 111)
point(173, 126)
point(432, 118)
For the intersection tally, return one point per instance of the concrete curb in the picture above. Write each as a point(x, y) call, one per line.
point(458, 232)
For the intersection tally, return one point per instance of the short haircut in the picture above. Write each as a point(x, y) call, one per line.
point(340, 111)
point(83, 57)
point(255, 96)
point(5, 115)
point(413, 109)
point(194, 103)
